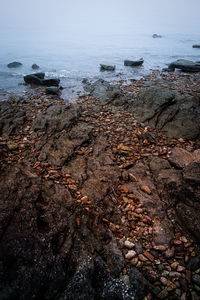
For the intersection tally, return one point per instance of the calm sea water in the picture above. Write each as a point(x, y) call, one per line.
point(74, 57)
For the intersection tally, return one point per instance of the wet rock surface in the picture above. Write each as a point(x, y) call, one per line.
point(95, 204)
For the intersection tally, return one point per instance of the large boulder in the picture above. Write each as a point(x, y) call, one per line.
point(185, 65)
point(133, 63)
point(38, 79)
point(166, 110)
point(14, 64)
point(35, 78)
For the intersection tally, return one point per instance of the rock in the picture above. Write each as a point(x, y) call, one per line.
point(194, 263)
point(130, 254)
point(133, 63)
point(51, 82)
point(38, 79)
point(164, 280)
point(196, 46)
point(14, 64)
point(185, 65)
point(169, 253)
point(107, 67)
point(196, 279)
point(52, 90)
point(180, 157)
point(35, 78)
point(129, 245)
point(105, 92)
point(12, 145)
point(176, 115)
point(35, 67)
point(156, 36)
point(146, 189)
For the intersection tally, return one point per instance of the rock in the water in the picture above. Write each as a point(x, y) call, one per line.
point(166, 110)
point(51, 82)
point(196, 46)
point(38, 79)
point(35, 78)
point(185, 65)
point(35, 67)
point(14, 64)
point(155, 35)
point(133, 63)
point(107, 67)
point(53, 90)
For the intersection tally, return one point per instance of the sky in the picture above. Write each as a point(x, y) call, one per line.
point(101, 16)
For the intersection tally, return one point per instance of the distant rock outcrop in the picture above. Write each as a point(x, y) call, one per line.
point(155, 35)
point(196, 46)
point(14, 64)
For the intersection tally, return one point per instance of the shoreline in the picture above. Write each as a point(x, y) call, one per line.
point(89, 189)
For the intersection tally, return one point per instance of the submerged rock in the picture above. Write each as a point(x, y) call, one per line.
point(185, 65)
point(107, 67)
point(51, 82)
point(14, 64)
point(35, 67)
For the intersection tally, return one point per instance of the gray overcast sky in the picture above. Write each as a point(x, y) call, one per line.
point(179, 16)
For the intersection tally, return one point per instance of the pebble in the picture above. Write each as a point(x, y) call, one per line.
point(149, 256)
point(169, 253)
point(130, 254)
point(196, 279)
point(180, 268)
point(139, 210)
point(174, 265)
point(129, 245)
point(134, 261)
point(163, 280)
point(142, 257)
point(160, 247)
point(145, 189)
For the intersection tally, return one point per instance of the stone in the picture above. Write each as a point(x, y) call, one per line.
point(51, 82)
point(180, 157)
point(12, 145)
point(35, 78)
point(196, 46)
point(155, 36)
point(130, 254)
point(169, 253)
point(176, 115)
point(35, 67)
point(185, 65)
point(107, 67)
point(163, 280)
point(129, 244)
point(14, 64)
point(196, 279)
point(53, 90)
point(133, 63)
point(145, 189)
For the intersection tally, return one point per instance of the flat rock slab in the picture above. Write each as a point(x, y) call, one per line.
point(185, 65)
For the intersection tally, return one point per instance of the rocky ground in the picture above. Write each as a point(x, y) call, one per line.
point(100, 199)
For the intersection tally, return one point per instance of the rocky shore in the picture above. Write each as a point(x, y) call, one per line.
point(100, 199)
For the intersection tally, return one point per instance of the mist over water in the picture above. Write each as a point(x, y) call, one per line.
point(70, 39)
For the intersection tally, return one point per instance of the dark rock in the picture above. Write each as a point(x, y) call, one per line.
point(166, 110)
point(156, 36)
point(107, 67)
point(52, 90)
point(134, 63)
point(35, 78)
point(51, 82)
point(14, 64)
point(185, 65)
point(196, 46)
point(35, 67)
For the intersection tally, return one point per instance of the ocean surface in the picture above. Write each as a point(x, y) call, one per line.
point(74, 57)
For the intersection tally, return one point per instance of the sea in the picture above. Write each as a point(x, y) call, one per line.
point(73, 57)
